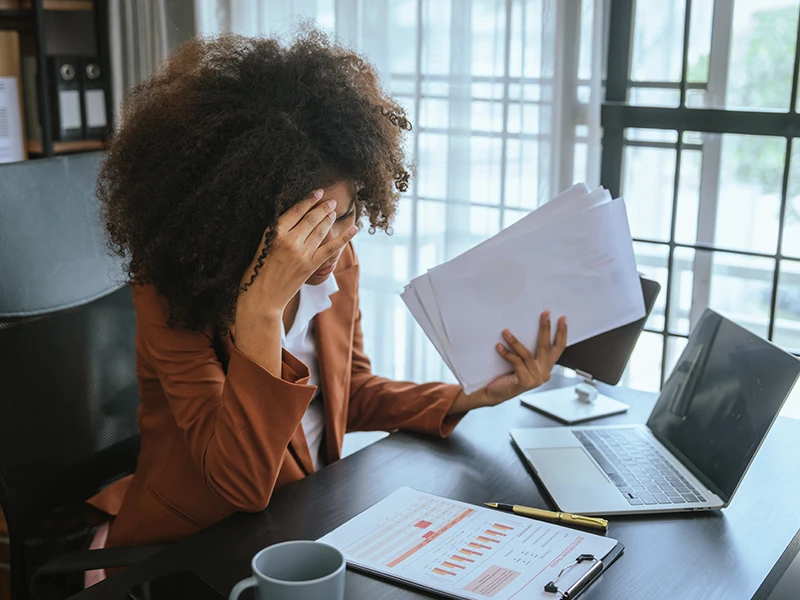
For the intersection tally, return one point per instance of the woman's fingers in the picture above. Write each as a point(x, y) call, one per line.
point(527, 376)
point(561, 340)
point(316, 225)
point(544, 341)
point(331, 248)
point(308, 229)
point(295, 214)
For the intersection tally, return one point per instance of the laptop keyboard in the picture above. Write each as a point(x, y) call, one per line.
point(637, 468)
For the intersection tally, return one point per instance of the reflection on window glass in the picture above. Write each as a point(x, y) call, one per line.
point(787, 318)
point(644, 368)
point(741, 289)
point(762, 47)
point(751, 175)
point(657, 40)
point(648, 184)
point(651, 261)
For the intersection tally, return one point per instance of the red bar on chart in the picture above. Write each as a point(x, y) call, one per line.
point(450, 565)
point(443, 572)
point(429, 535)
point(469, 552)
point(494, 533)
point(502, 527)
point(461, 559)
point(423, 524)
point(476, 545)
point(483, 538)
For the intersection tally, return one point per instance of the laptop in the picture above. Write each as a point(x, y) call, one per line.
point(710, 419)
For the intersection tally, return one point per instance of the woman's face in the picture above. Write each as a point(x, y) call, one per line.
point(344, 193)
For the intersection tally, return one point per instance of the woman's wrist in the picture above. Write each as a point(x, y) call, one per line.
point(466, 402)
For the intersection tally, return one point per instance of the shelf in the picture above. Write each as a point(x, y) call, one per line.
point(35, 146)
point(56, 5)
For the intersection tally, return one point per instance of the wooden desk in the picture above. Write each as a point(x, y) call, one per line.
point(726, 555)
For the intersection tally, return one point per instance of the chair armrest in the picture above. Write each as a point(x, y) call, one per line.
point(87, 560)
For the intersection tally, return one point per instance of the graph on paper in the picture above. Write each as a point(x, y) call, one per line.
point(462, 550)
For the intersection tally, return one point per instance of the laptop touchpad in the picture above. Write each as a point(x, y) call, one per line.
point(569, 465)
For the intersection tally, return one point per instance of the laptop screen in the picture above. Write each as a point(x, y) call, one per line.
point(721, 399)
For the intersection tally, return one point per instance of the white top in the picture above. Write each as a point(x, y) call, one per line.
point(299, 340)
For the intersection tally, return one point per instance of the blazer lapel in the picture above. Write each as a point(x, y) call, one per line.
point(298, 446)
point(334, 339)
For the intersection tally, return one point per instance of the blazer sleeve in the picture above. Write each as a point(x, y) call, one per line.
point(237, 426)
point(379, 404)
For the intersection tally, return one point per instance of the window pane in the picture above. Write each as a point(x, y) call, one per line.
point(435, 37)
point(751, 174)
point(432, 165)
point(385, 345)
point(488, 37)
point(762, 47)
point(675, 346)
point(657, 40)
point(402, 34)
point(523, 118)
point(787, 318)
point(448, 229)
point(485, 170)
point(688, 196)
point(644, 368)
point(522, 174)
point(487, 116)
point(700, 40)
point(680, 304)
point(433, 112)
point(741, 289)
point(655, 97)
point(651, 260)
point(791, 224)
point(647, 187)
point(651, 135)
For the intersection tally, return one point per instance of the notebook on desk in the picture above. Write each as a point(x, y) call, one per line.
point(459, 550)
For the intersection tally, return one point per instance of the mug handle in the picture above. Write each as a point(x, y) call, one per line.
point(242, 586)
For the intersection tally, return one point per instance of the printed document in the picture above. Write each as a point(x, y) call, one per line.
point(460, 550)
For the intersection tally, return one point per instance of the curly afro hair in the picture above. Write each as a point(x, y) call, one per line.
point(227, 135)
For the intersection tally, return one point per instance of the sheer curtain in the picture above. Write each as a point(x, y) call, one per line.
point(504, 97)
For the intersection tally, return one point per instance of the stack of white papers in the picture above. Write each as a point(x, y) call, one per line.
point(572, 256)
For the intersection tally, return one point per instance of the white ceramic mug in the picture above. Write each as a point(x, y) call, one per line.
point(297, 570)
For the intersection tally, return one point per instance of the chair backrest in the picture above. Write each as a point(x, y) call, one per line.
point(68, 389)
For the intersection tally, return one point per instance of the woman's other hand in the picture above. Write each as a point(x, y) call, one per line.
point(530, 370)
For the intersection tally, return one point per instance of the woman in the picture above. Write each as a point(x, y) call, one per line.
point(233, 188)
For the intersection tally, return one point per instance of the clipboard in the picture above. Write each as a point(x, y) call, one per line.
point(597, 567)
point(462, 551)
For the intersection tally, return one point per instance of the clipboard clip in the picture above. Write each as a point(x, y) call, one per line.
point(578, 586)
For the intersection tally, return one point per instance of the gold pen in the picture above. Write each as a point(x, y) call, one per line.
point(553, 517)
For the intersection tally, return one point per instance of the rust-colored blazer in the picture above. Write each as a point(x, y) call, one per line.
point(219, 433)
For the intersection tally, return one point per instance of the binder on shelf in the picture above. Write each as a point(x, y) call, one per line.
point(94, 83)
point(65, 98)
point(33, 127)
point(12, 131)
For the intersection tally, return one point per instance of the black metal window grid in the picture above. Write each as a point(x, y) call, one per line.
point(618, 115)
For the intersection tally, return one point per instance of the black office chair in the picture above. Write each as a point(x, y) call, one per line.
point(68, 390)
